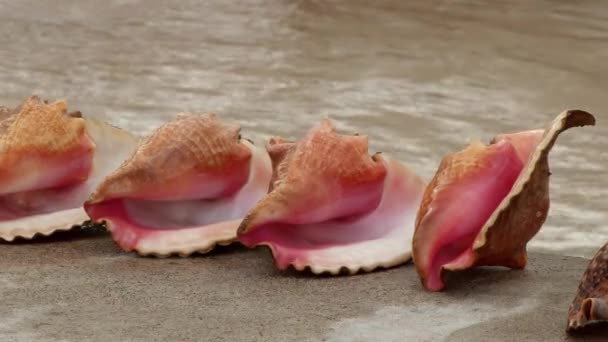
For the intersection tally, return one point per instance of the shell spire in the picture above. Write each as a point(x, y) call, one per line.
point(279, 149)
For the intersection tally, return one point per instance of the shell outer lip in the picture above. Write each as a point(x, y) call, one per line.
point(565, 120)
point(64, 220)
point(397, 261)
point(183, 253)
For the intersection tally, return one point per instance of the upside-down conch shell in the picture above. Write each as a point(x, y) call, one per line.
point(486, 202)
point(591, 302)
point(50, 162)
point(185, 190)
point(332, 207)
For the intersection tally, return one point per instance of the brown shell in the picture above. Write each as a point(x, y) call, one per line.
point(189, 142)
point(592, 292)
point(278, 149)
point(502, 240)
point(322, 155)
point(38, 127)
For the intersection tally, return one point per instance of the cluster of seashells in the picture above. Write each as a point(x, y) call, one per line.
point(320, 203)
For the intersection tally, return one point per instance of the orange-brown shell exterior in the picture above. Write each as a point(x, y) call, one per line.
point(594, 284)
point(322, 156)
point(190, 143)
point(38, 127)
point(278, 149)
point(350, 165)
point(38, 134)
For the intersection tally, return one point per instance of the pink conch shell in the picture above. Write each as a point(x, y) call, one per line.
point(334, 207)
point(486, 202)
point(185, 190)
point(50, 162)
point(591, 302)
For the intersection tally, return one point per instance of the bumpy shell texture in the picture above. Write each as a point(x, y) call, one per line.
point(184, 190)
point(332, 207)
point(41, 141)
point(591, 302)
point(486, 202)
point(50, 161)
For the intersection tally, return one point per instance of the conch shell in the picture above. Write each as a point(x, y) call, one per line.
point(486, 202)
point(591, 302)
point(185, 189)
point(50, 162)
point(332, 207)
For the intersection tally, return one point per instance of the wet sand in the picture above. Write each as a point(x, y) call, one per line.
point(80, 287)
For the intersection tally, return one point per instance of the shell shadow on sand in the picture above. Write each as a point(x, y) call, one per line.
point(595, 332)
point(482, 276)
